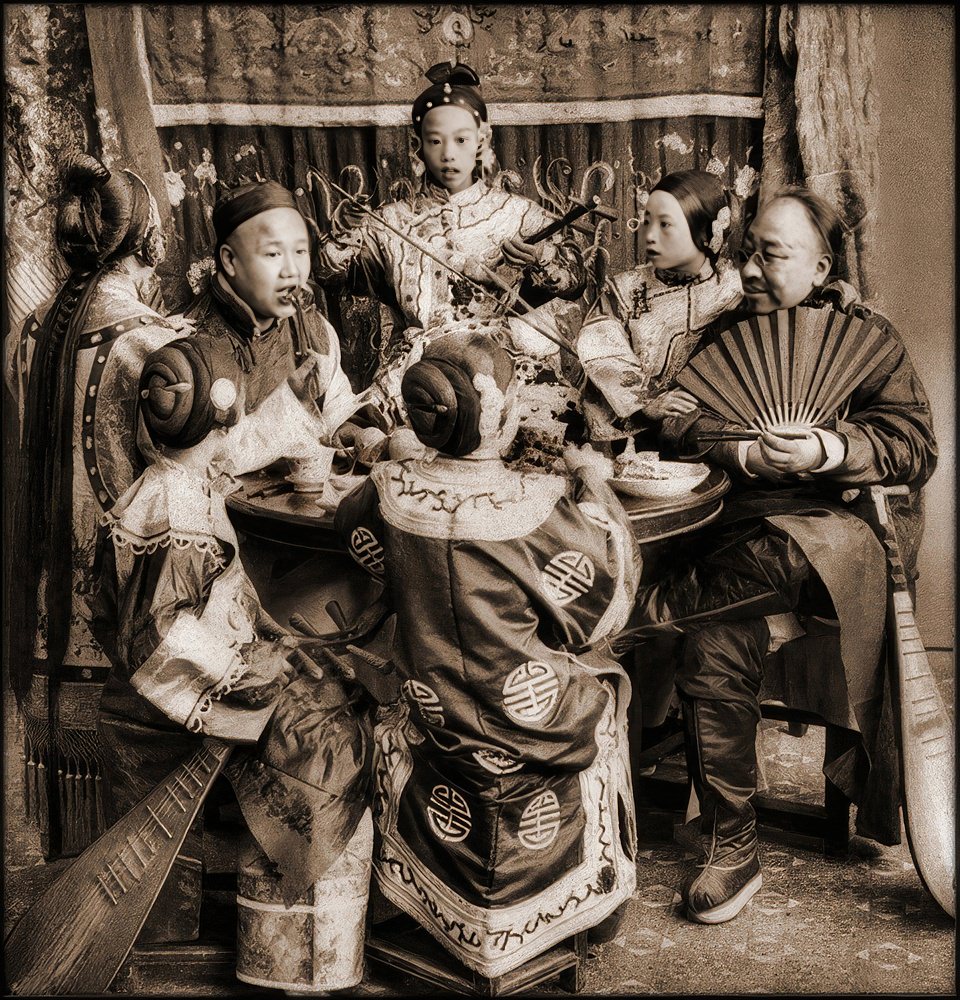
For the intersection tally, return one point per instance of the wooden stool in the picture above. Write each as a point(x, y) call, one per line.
point(400, 943)
point(828, 824)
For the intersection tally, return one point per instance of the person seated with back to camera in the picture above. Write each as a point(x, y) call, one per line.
point(194, 655)
point(503, 787)
point(792, 537)
point(464, 214)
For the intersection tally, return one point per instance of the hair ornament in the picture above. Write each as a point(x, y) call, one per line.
point(223, 393)
point(486, 154)
point(451, 83)
point(720, 225)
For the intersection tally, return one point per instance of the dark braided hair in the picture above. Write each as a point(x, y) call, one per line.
point(102, 217)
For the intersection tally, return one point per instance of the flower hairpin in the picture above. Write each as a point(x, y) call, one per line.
point(720, 225)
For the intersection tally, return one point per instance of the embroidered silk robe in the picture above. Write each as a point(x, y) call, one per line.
point(428, 298)
point(63, 760)
point(503, 794)
point(640, 334)
point(194, 654)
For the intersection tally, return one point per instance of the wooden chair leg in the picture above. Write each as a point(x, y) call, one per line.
point(574, 979)
point(836, 839)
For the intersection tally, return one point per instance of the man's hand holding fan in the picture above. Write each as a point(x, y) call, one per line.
point(778, 379)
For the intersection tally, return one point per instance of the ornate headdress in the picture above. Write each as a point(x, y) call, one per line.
point(244, 202)
point(451, 83)
point(102, 215)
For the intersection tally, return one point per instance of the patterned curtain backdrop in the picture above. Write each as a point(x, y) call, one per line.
point(49, 111)
point(244, 92)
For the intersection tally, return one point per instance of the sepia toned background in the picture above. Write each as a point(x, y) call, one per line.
point(196, 97)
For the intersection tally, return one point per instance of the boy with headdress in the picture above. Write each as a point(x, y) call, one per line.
point(503, 796)
point(258, 306)
point(194, 655)
point(73, 371)
point(464, 214)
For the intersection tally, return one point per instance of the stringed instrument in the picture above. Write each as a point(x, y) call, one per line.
point(75, 937)
point(506, 296)
point(927, 751)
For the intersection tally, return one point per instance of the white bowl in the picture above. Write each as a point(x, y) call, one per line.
point(682, 478)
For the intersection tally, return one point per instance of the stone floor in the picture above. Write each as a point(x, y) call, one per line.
point(861, 925)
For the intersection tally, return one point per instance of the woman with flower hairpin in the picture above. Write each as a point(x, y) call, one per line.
point(649, 320)
point(502, 792)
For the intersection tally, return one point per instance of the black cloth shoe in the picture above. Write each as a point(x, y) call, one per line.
point(728, 880)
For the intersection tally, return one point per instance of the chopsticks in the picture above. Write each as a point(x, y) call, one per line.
point(748, 434)
point(271, 490)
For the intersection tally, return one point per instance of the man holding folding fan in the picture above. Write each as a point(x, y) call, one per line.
point(791, 539)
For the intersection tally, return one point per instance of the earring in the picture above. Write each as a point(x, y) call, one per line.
point(417, 166)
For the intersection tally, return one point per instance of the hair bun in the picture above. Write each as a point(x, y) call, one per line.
point(443, 403)
point(81, 172)
point(102, 213)
point(175, 395)
point(453, 72)
point(443, 406)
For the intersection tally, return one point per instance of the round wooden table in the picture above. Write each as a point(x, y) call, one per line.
point(296, 519)
point(258, 510)
point(297, 563)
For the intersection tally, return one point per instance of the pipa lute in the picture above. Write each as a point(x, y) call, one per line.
point(789, 370)
point(76, 936)
point(927, 752)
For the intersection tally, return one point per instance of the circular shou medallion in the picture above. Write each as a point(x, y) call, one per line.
point(540, 822)
point(448, 813)
point(566, 577)
point(530, 692)
point(367, 550)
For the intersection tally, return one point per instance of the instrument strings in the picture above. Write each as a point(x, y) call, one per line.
point(167, 805)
